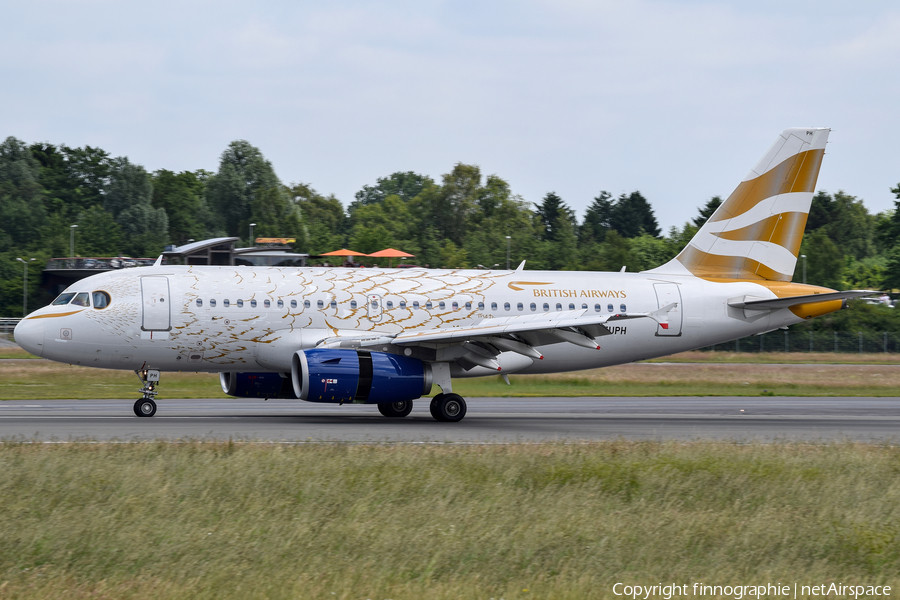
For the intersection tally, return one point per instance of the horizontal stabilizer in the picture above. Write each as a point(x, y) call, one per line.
point(775, 303)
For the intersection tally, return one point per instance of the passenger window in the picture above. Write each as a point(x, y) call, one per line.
point(374, 303)
point(546, 307)
point(390, 304)
point(293, 304)
point(558, 306)
point(429, 305)
point(64, 299)
point(415, 305)
point(212, 303)
point(506, 306)
point(571, 306)
point(494, 306)
point(280, 304)
point(622, 308)
point(240, 304)
point(597, 308)
point(533, 307)
point(353, 304)
point(468, 306)
point(253, 304)
point(520, 306)
point(584, 306)
point(306, 304)
point(320, 305)
point(403, 304)
point(101, 299)
point(441, 305)
point(481, 306)
point(455, 306)
point(609, 308)
point(333, 304)
point(267, 303)
point(81, 299)
point(226, 303)
point(199, 302)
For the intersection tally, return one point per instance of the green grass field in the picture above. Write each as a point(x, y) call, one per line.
point(39, 379)
point(204, 520)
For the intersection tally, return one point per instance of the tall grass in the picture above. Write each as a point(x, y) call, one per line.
point(223, 520)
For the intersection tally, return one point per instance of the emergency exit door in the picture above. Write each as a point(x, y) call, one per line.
point(157, 314)
point(667, 293)
point(374, 309)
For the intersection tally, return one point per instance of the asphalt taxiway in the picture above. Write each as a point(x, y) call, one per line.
point(488, 420)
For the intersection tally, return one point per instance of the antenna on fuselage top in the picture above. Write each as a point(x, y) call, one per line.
point(158, 262)
point(521, 267)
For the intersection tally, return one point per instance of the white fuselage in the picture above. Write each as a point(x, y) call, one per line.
point(252, 319)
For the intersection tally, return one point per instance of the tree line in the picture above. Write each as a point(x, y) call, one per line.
point(462, 219)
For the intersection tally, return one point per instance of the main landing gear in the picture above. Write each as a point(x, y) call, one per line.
point(396, 409)
point(146, 406)
point(444, 407)
point(448, 407)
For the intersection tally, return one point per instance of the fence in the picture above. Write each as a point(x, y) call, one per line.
point(7, 325)
point(814, 341)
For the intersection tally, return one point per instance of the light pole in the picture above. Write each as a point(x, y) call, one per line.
point(252, 225)
point(803, 256)
point(72, 241)
point(25, 285)
point(507, 252)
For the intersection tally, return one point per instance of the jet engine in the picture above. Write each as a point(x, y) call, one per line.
point(257, 385)
point(341, 375)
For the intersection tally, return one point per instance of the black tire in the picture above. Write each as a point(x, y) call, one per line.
point(396, 409)
point(436, 407)
point(448, 407)
point(145, 407)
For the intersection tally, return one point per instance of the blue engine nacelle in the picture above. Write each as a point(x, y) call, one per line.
point(257, 385)
point(325, 375)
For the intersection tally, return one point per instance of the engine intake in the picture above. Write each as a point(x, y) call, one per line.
point(340, 375)
point(257, 385)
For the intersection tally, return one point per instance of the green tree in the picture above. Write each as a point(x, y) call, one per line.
point(707, 211)
point(99, 234)
point(182, 196)
point(323, 216)
point(825, 262)
point(405, 185)
point(597, 219)
point(633, 215)
point(243, 173)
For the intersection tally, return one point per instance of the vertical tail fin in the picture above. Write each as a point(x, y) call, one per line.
point(756, 233)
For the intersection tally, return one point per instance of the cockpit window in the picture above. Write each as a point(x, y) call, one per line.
point(82, 299)
point(64, 298)
point(101, 299)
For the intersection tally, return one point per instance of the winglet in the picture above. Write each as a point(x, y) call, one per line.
point(521, 267)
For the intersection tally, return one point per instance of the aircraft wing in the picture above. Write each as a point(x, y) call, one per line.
point(479, 344)
point(526, 323)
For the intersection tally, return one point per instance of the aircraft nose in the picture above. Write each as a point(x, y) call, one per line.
point(29, 334)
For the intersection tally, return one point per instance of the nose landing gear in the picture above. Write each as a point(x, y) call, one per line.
point(146, 406)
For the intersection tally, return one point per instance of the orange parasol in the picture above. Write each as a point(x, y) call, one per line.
point(344, 252)
point(391, 253)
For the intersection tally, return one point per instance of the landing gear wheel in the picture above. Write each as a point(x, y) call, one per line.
point(396, 409)
point(448, 407)
point(145, 407)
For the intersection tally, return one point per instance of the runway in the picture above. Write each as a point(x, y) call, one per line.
point(488, 420)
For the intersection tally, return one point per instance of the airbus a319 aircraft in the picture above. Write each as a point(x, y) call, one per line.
point(387, 336)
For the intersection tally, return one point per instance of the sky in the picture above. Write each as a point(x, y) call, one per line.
point(676, 99)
